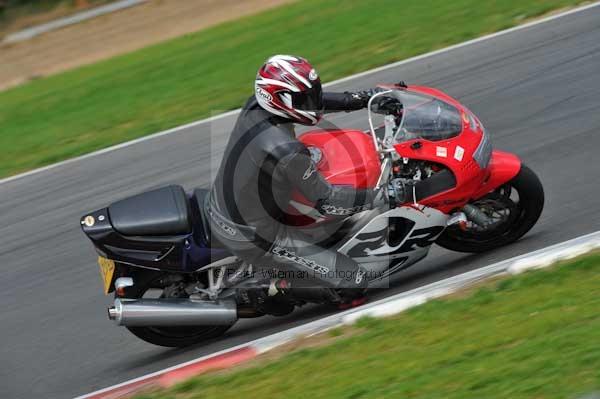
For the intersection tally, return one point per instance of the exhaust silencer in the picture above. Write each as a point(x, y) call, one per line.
point(172, 312)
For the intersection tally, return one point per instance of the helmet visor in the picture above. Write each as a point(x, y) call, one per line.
point(309, 100)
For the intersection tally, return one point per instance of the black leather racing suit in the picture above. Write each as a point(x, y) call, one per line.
point(262, 165)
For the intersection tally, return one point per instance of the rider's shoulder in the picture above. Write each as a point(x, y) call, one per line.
point(277, 142)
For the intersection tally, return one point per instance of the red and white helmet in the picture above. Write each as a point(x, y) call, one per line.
point(289, 87)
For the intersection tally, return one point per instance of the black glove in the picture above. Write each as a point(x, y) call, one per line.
point(360, 99)
point(365, 95)
point(387, 105)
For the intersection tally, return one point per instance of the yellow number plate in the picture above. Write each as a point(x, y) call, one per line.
point(107, 270)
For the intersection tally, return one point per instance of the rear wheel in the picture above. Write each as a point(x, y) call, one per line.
point(170, 336)
point(514, 208)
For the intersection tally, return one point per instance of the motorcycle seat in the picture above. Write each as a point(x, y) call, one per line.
point(161, 212)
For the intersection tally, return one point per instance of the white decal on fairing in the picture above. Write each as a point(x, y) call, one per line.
point(441, 152)
point(380, 254)
point(459, 153)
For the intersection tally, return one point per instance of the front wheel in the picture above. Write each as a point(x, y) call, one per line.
point(514, 208)
point(173, 337)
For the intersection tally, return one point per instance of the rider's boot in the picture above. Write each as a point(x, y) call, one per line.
point(352, 291)
point(352, 303)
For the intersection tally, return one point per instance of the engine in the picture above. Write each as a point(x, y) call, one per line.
point(407, 171)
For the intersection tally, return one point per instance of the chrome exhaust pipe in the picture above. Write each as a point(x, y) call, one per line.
point(172, 312)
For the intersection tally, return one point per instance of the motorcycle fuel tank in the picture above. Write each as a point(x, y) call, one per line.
point(344, 157)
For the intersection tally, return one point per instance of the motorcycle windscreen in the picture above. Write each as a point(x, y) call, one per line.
point(427, 118)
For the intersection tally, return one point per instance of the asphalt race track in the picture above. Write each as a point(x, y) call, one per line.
point(537, 90)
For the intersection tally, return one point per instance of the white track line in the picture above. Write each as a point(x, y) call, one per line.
point(34, 31)
point(335, 82)
point(398, 303)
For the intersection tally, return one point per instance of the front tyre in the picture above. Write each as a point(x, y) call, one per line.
point(514, 208)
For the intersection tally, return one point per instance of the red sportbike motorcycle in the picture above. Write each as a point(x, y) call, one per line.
point(465, 196)
point(174, 286)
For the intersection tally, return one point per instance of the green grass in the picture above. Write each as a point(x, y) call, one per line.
point(532, 336)
point(197, 75)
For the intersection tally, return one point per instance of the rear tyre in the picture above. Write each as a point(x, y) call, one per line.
point(515, 208)
point(178, 337)
point(172, 337)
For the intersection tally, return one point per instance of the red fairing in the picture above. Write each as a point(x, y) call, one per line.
point(456, 154)
point(349, 157)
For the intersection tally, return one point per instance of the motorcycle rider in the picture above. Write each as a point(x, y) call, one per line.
point(264, 163)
